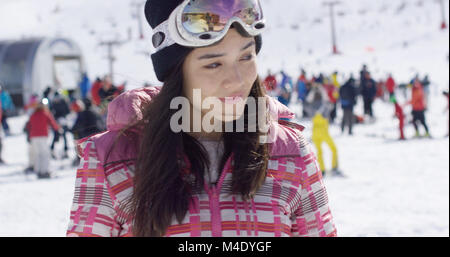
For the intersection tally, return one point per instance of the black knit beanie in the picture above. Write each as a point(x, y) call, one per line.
point(156, 12)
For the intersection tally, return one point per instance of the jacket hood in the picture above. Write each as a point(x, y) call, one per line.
point(126, 109)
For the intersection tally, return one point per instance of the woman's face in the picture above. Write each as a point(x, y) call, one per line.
point(224, 72)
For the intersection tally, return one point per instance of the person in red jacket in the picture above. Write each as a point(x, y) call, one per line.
point(37, 128)
point(390, 85)
point(270, 82)
point(400, 116)
point(96, 100)
point(333, 96)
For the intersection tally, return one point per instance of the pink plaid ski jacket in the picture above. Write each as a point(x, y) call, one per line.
point(292, 201)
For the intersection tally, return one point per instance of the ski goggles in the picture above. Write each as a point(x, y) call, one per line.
point(198, 23)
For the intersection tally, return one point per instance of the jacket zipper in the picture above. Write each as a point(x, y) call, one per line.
point(214, 205)
point(216, 222)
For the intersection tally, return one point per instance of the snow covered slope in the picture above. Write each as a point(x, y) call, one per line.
point(393, 188)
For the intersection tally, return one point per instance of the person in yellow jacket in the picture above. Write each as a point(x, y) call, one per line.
point(320, 108)
point(335, 81)
point(321, 135)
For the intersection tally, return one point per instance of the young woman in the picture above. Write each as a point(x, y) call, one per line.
point(143, 178)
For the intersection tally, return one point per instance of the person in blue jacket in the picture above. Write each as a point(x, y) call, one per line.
point(302, 89)
point(347, 98)
point(368, 92)
point(85, 86)
point(286, 87)
point(7, 106)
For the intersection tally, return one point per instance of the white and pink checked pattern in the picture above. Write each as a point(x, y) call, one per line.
point(292, 201)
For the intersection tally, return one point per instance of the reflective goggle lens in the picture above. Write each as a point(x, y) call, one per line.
point(201, 16)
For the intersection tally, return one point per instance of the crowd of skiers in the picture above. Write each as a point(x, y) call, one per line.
point(321, 96)
point(80, 112)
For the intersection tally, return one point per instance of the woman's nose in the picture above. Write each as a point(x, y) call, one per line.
point(233, 78)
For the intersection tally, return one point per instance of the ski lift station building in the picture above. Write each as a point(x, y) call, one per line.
point(29, 66)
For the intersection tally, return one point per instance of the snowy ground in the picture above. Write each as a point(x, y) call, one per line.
point(393, 188)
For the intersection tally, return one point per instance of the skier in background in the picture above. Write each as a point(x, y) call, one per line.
point(320, 79)
point(29, 108)
point(37, 127)
point(368, 92)
point(87, 123)
point(7, 106)
point(390, 85)
point(400, 116)
point(347, 97)
point(302, 90)
point(334, 80)
point(333, 95)
point(85, 86)
point(319, 108)
point(60, 109)
point(285, 89)
point(95, 88)
point(107, 92)
point(362, 75)
point(418, 108)
point(1, 159)
point(270, 82)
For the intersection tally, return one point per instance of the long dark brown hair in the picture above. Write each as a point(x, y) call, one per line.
point(161, 190)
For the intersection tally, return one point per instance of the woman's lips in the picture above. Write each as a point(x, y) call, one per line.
point(232, 99)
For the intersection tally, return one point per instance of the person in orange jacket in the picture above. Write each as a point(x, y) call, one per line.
point(37, 128)
point(418, 107)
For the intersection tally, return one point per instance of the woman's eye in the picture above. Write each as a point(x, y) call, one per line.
point(247, 57)
point(213, 66)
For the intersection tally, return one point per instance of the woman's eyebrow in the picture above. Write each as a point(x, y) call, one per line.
point(211, 56)
point(248, 45)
